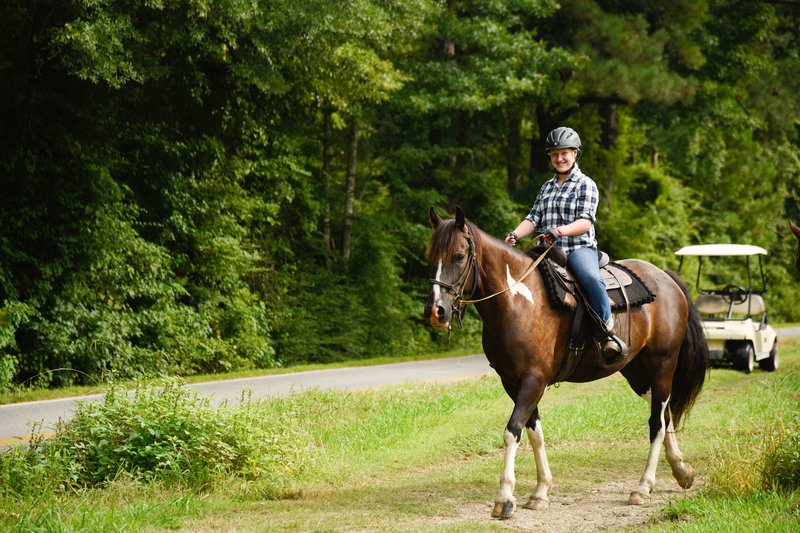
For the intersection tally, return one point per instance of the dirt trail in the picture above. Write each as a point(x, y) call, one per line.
point(599, 509)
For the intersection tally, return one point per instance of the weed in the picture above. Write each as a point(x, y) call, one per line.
point(167, 434)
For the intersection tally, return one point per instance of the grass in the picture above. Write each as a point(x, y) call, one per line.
point(423, 457)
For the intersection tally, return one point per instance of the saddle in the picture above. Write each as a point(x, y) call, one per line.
point(625, 290)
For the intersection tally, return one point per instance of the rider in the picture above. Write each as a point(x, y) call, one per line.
point(565, 209)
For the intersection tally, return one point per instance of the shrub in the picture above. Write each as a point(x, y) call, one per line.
point(168, 434)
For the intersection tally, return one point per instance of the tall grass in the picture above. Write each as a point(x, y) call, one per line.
point(753, 483)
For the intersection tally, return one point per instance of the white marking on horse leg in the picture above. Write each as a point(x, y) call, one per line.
point(507, 480)
point(681, 470)
point(648, 481)
point(518, 288)
point(540, 499)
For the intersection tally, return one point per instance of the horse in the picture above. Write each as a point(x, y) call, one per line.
point(796, 232)
point(525, 338)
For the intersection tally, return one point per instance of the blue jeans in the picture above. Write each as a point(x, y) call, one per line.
point(584, 266)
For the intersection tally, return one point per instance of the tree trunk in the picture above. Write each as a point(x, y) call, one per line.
point(350, 190)
point(449, 45)
point(608, 140)
point(326, 176)
point(539, 162)
point(514, 149)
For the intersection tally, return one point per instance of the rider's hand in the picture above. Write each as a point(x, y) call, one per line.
point(511, 238)
point(551, 235)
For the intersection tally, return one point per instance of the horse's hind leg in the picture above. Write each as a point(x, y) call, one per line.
point(659, 414)
point(540, 499)
point(683, 471)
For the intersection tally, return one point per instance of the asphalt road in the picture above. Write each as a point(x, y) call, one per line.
point(16, 419)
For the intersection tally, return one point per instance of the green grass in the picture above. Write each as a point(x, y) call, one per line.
point(423, 457)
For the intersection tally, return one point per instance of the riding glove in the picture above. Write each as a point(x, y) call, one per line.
point(551, 235)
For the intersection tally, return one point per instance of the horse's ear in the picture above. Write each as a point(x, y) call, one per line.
point(795, 230)
point(461, 219)
point(434, 217)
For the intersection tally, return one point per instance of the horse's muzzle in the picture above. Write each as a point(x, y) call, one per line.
point(437, 315)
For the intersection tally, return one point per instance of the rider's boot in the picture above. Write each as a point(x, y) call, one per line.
point(612, 347)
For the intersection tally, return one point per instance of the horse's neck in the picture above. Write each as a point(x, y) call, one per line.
point(503, 266)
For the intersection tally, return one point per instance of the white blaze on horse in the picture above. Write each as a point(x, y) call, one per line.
point(526, 340)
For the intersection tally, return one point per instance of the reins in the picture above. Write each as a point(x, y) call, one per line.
point(524, 275)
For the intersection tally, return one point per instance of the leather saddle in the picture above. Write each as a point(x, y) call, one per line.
point(625, 289)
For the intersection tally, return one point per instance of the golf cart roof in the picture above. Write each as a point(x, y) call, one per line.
point(721, 249)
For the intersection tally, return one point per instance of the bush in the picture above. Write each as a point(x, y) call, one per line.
point(167, 434)
point(782, 464)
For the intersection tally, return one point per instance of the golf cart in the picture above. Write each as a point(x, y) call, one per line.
point(734, 316)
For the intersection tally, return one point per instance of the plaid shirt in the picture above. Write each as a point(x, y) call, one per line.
point(576, 198)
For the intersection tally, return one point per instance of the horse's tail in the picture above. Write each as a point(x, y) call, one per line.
point(692, 362)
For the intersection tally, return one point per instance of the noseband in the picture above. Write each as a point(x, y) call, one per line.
point(457, 288)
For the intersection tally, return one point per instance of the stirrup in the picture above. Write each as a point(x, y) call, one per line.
point(614, 347)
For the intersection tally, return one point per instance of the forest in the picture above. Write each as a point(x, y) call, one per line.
point(200, 186)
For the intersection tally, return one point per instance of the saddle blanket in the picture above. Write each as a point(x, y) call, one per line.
point(562, 292)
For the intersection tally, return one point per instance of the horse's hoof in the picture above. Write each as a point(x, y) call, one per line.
point(503, 510)
point(636, 499)
point(497, 512)
point(537, 504)
point(687, 479)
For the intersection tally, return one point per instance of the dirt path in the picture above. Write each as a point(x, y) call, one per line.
point(600, 509)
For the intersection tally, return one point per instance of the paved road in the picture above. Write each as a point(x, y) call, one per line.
point(15, 419)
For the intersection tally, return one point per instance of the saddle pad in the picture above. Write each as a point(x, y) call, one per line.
point(562, 293)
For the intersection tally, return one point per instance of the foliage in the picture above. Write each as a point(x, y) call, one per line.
point(167, 434)
point(181, 175)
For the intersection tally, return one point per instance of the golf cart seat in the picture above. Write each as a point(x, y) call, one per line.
point(716, 304)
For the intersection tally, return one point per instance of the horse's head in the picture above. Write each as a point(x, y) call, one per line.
point(453, 253)
point(796, 232)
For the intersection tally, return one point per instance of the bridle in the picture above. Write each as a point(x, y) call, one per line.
point(457, 288)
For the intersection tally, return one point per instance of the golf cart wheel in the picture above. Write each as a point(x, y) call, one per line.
point(744, 357)
point(770, 364)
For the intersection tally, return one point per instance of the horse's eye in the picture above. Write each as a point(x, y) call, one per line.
point(459, 257)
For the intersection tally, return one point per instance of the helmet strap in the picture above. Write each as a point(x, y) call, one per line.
point(568, 172)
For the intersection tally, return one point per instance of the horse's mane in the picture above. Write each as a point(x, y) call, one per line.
point(446, 240)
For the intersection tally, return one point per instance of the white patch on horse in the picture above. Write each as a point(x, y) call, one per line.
point(518, 288)
point(436, 288)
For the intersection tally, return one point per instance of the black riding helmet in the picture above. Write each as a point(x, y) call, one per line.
point(563, 137)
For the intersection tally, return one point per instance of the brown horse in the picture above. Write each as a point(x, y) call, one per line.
point(796, 232)
point(525, 340)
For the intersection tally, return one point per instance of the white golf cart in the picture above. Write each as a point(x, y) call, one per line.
point(734, 317)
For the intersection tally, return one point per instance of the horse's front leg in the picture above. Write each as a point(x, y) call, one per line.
point(659, 421)
point(527, 398)
point(540, 499)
